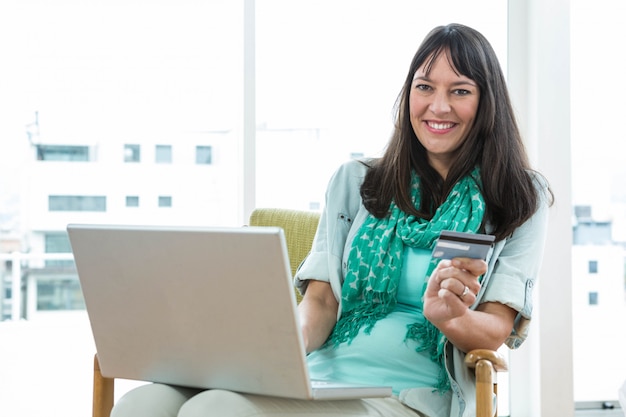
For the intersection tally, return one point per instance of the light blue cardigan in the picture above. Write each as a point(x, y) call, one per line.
point(513, 267)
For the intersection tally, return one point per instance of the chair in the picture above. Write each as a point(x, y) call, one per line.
point(299, 228)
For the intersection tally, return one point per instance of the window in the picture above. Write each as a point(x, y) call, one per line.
point(57, 243)
point(598, 195)
point(582, 212)
point(204, 155)
point(107, 74)
point(132, 201)
point(165, 201)
point(300, 139)
point(76, 203)
point(163, 154)
point(59, 294)
point(132, 153)
point(62, 153)
point(141, 85)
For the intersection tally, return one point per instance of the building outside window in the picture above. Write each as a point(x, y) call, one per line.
point(132, 153)
point(165, 201)
point(132, 201)
point(57, 243)
point(204, 155)
point(54, 284)
point(77, 203)
point(62, 153)
point(599, 198)
point(59, 294)
point(163, 154)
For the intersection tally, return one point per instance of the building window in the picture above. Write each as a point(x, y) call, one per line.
point(593, 267)
point(132, 201)
point(165, 201)
point(132, 153)
point(593, 298)
point(58, 243)
point(163, 154)
point(59, 293)
point(582, 212)
point(62, 153)
point(204, 155)
point(76, 203)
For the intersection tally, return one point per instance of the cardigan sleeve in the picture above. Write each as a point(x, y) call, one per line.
point(342, 204)
point(516, 268)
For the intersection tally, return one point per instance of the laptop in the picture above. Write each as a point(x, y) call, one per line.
point(198, 307)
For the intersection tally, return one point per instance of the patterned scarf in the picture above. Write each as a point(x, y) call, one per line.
point(376, 258)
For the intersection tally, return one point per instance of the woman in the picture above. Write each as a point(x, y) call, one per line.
point(376, 307)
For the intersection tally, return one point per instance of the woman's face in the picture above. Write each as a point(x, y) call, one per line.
point(442, 107)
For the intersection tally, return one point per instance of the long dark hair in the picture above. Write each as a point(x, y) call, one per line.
point(493, 142)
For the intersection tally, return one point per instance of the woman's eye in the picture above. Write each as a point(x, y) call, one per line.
point(423, 87)
point(461, 92)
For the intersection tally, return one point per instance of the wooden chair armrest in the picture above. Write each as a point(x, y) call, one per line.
point(496, 358)
point(103, 390)
point(485, 363)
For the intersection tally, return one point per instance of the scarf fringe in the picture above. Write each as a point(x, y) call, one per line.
point(362, 317)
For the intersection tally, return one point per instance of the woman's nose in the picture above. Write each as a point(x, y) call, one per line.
point(440, 103)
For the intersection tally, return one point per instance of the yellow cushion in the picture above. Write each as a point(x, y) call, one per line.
point(299, 227)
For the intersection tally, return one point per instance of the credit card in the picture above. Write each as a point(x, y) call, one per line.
point(462, 245)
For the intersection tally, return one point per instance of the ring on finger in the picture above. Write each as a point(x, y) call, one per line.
point(465, 291)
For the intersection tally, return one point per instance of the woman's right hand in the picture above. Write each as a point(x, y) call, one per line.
point(451, 291)
point(318, 314)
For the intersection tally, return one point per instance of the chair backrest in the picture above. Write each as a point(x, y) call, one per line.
point(299, 227)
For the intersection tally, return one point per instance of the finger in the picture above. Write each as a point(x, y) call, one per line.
point(467, 296)
point(455, 305)
point(455, 286)
point(443, 264)
point(476, 267)
point(436, 277)
point(467, 293)
point(464, 276)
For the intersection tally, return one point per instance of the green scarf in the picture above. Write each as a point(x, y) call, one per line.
point(375, 262)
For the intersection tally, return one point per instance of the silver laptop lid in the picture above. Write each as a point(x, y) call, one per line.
point(201, 307)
